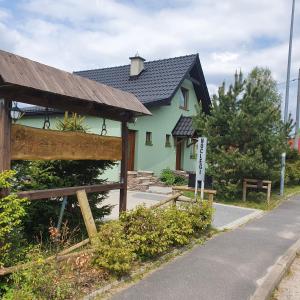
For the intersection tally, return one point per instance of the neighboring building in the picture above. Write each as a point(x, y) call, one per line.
point(171, 89)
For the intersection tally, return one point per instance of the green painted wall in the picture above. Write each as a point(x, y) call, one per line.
point(162, 122)
point(147, 158)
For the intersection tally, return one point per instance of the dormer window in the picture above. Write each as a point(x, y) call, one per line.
point(184, 97)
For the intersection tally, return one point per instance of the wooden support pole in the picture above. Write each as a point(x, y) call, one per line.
point(244, 190)
point(5, 133)
point(87, 214)
point(5, 139)
point(124, 163)
point(269, 193)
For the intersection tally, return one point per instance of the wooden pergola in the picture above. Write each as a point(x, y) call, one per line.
point(34, 83)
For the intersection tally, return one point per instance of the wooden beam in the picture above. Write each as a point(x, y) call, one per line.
point(30, 143)
point(68, 191)
point(124, 167)
point(87, 214)
point(5, 133)
point(64, 103)
point(191, 189)
point(173, 198)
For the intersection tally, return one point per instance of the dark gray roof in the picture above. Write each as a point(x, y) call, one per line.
point(157, 83)
point(184, 127)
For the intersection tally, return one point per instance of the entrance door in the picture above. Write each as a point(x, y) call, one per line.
point(179, 144)
point(131, 149)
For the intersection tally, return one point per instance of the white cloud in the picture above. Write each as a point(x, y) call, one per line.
point(228, 34)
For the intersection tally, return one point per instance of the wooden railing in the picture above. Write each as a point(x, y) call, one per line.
point(68, 191)
point(210, 193)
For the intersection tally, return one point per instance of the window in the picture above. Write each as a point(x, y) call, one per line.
point(149, 138)
point(168, 140)
point(184, 95)
point(193, 153)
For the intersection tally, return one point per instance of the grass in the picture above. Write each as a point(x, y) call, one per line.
point(258, 200)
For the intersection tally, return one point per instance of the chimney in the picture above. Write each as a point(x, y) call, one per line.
point(136, 65)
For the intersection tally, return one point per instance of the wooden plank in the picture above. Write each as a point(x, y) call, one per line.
point(256, 186)
point(68, 191)
point(65, 104)
point(59, 256)
point(74, 247)
point(169, 199)
point(190, 189)
point(30, 143)
point(87, 214)
point(124, 168)
point(256, 180)
point(5, 133)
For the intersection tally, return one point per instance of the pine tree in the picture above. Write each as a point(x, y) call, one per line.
point(245, 133)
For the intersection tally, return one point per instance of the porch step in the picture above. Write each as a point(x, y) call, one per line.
point(145, 173)
point(141, 180)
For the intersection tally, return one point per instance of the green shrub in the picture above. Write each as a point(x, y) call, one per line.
point(169, 177)
point(12, 211)
point(113, 251)
point(144, 229)
point(178, 226)
point(292, 172)
point(200, 214)
point(145, 233)
point(42, 280)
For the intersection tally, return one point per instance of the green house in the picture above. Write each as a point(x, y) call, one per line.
point(171, 89)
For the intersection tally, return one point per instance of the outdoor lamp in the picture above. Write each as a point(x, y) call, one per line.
point(15, 112)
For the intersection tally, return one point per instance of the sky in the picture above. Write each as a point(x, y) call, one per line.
point(229, 35)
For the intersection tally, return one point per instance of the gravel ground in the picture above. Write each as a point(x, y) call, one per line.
point(289, 288)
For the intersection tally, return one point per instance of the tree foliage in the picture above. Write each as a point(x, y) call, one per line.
point(61, 173)
point(245, 133)
point(12, 211)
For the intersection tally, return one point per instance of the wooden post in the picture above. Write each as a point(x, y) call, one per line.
point(87, 214)
point(5, 139)
point(5, 135)
point(244, 190)
point(269, 193)
point(124, 163)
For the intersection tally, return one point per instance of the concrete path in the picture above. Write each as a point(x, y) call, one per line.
point(227, 267)
point(226, 216)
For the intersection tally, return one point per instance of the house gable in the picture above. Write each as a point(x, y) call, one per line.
point(157, 84)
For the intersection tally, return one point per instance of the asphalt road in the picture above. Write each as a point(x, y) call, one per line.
point(228, 266)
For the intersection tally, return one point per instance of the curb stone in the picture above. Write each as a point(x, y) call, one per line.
point(270, 281)
point(242, 221)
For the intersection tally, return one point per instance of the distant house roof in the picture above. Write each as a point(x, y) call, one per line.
point(184, 127)
point(158, 82)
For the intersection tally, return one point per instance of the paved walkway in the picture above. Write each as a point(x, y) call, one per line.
point(227, 267)
point(225, 215)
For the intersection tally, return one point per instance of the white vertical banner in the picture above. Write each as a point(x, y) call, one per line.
point(200, 167)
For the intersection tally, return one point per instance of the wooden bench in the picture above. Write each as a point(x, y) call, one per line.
point(185, 188)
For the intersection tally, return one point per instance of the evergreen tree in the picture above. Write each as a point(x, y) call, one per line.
point(246, 135)
point(35, 175)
